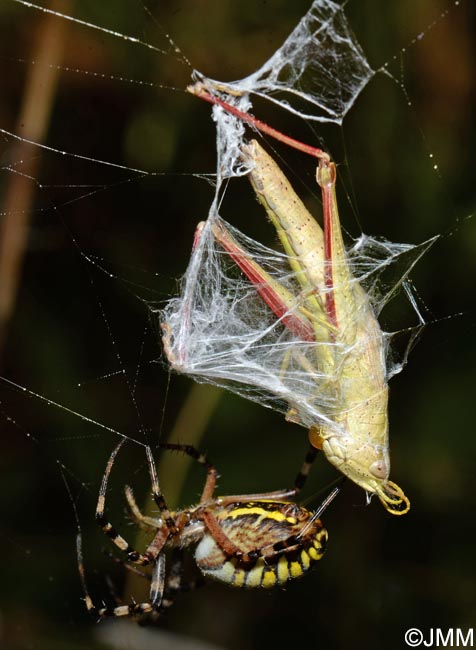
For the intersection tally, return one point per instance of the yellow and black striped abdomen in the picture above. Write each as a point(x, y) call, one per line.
point(278, 541)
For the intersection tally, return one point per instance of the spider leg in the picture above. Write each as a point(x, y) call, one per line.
point(202, 459)
point(212, 475)
point(130, 567)
point(106, 526)
point(157, 583)
point(162, 589)
point(293, 542)
point(220, 537)
point(212, 524)
point(143, 521)
point(104, 612)
point(303, 473)
point(159, 499)
point(157, 588)
point(289, 493)
point(150, 523)
point(174, 583)
point(269, 551)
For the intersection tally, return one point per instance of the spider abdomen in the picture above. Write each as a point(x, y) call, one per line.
point(281, 539)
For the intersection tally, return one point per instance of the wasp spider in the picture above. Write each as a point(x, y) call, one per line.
point(252, 540)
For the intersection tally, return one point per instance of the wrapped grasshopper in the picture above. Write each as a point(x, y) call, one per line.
point(334, 340)
point(335, 305)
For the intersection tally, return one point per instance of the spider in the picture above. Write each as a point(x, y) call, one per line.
point(252, 540)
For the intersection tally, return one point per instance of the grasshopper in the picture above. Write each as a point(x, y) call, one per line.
point(335, 312)
point(331, 312)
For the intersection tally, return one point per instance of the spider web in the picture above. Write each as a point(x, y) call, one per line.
point(219, 330)
point(98, 313)
point(318, 72)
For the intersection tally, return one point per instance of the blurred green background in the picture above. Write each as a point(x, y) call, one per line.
point(103, 243)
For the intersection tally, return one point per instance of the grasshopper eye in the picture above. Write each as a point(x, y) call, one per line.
point(379, 469)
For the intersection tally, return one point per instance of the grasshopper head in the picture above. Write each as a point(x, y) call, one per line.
point(365, 463)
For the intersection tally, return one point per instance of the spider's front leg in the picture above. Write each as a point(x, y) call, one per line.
point(108, 529)
point(153, 556)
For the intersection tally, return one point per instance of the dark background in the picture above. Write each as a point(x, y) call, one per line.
point(71, 322)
